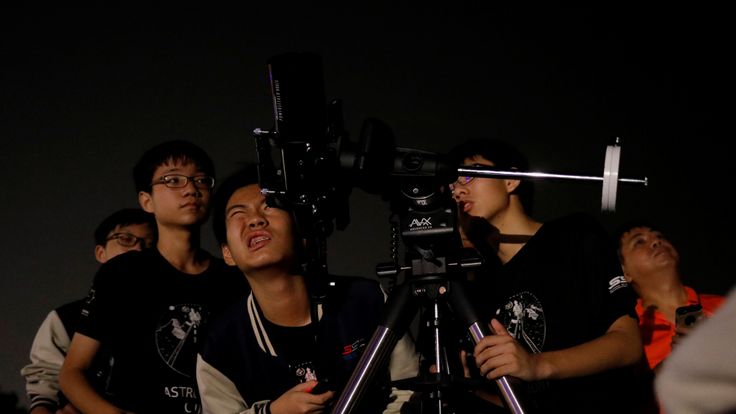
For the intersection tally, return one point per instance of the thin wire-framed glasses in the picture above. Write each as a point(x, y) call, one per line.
point(465, 180)
point(130, 240)
point(461, 181)
point(203, 182)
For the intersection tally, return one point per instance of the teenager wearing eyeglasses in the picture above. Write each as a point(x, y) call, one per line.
point(151, 308)
point(124, 230)
point(562, 311)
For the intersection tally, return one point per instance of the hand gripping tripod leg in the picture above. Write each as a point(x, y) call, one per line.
point(401, 307)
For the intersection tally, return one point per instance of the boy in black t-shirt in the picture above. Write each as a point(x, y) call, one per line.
point(150, 308)
point(122, 231)
point(562, 313)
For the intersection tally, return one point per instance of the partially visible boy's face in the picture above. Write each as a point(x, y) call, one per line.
point(258, 236)
point(184, 206)
point(644, 251)
point(119, 238)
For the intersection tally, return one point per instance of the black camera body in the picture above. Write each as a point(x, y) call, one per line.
point(318, 166)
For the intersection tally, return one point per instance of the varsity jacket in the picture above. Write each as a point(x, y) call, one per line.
point(240, 370)
point(47, 355)
point(48, 351)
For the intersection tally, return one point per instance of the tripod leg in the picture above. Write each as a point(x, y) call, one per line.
point(400, 309)
point(461, 306)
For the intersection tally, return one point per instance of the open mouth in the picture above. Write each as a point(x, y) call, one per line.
point(256, 241)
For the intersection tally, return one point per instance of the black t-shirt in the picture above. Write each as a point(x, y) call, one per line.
point(565, 287)
point(152, 318)
point(297, 345)
point(99, 371)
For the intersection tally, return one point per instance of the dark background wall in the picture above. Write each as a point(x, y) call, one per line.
point(84, 92)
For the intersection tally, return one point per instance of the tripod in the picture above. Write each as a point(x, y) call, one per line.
point(427, 281)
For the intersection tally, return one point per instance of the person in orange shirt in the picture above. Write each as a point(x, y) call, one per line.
point(651, 265)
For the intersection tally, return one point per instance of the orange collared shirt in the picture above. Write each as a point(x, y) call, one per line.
point(657, 331)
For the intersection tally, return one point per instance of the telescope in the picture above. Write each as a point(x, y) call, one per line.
point(308, 166)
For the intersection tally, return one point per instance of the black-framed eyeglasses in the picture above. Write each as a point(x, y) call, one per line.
point(203, 182)
point(130, 240)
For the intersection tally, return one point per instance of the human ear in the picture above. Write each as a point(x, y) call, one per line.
point(226, 255)
point(627, 277)
point(146, 201)
point(511, 185)
point(100, 254)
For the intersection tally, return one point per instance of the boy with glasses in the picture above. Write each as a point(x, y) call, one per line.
point(124, 230)
point(151, 309)
point(562, 312)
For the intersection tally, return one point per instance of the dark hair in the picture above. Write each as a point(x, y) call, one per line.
point(124, 217)
point(170, 151)
point(247, 175)
point(502, 155)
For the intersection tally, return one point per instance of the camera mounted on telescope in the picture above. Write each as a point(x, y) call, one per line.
point(308, 166)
